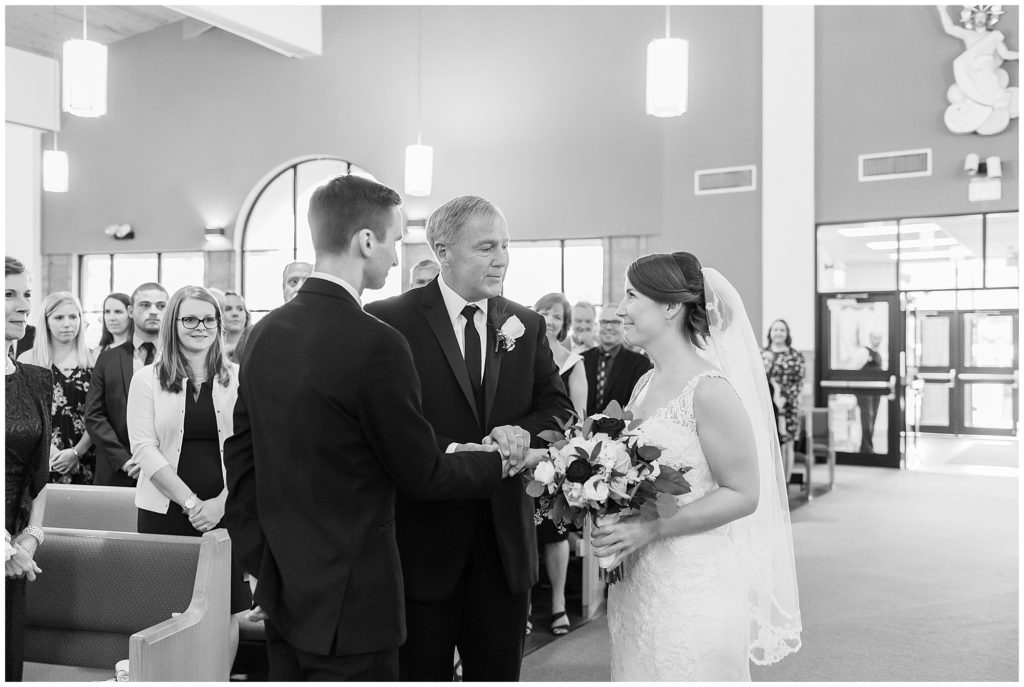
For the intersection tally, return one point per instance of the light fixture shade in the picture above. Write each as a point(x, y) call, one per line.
point(419, 170)
point(85, 78)
point(55, 171)
point(668, 69)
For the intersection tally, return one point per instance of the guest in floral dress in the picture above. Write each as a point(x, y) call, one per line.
point(788, 372)
point(61, 348)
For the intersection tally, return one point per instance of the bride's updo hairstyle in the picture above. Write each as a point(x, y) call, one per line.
point(670, 279)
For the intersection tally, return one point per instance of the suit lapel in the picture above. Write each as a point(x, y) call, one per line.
point(613, 375)
point(492, 368)
point(127, 369)
point(437, 317)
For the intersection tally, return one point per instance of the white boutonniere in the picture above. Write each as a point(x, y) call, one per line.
point(508, 332)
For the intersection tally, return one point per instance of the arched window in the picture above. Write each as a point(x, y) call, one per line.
point(275, 231)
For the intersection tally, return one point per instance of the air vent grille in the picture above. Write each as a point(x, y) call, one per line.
point(725, 180)
point(897, 164)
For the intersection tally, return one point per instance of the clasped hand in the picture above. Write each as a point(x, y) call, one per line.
point(509, 467)
point(207, 514)
point(21, 564)
point(623, 537)
point(64, 462)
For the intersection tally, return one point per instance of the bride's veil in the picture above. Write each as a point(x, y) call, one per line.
point(766, 534)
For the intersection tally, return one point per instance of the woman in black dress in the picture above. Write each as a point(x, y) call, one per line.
point(29, 393)
point(179, 414)
point(60, 347)
point(553, 544)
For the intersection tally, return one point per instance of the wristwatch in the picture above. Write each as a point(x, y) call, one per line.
point(190, 503)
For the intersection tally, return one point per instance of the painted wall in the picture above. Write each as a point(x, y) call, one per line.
point(882, 76)
point(23, 182)
point(539, 108)
point(722, 128)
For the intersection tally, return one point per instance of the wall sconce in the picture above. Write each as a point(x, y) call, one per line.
point(986, 183)
point(120, 231)
point(215, 239)
point(415, 231)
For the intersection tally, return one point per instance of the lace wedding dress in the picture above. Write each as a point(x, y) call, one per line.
point(681, 611)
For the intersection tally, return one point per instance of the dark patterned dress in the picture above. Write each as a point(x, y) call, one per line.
point(788, 372)
point(28, 395)
point(69, 391)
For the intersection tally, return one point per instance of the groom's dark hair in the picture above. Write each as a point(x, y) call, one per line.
point(343, 206)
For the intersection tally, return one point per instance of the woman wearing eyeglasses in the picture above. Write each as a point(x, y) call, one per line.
point(179, 414)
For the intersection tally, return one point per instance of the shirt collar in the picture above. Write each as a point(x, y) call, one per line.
point(137, 341)
point(612, 352)
point(454, 303)
point(340, 282)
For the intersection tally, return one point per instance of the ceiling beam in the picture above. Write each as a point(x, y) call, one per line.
point(294, 31)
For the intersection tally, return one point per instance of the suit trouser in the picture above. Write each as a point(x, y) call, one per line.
point(289, 664)
point(15, 629)
point(482, 616)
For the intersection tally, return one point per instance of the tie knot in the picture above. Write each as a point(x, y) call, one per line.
point(469, 312)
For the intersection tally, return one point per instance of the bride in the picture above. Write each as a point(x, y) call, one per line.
point(713, 587)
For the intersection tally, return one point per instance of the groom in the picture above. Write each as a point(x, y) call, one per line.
point(469, 565)
point(327, 424)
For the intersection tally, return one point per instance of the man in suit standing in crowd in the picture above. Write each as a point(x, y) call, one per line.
point(423, 272)
point(294, 275)
point(583, 316)
point(327, 424)
point(106, 404)
point(612, 369)
point(486, 371)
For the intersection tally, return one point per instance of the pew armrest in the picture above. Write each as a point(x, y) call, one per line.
point(193, 646)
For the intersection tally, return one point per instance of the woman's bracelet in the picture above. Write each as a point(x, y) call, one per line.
point(75, 450)
point(34, 532)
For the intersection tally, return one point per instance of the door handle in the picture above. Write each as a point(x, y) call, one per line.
point(952, 378)
point(892, 388)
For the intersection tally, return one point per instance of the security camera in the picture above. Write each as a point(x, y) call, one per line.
point(971, 163)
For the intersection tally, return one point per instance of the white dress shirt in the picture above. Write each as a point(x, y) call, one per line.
point(139, 356)
point(454, 304)
point(340, 282)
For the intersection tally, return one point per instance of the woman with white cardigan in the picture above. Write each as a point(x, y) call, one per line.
point(179, 414)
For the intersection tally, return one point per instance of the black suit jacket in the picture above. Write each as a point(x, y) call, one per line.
point(521, 387)
point(106, 414)
point(328, 422)
point(628, 368)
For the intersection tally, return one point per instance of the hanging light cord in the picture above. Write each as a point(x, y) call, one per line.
point(668, 25)
point(419, 78)
point(85, 23)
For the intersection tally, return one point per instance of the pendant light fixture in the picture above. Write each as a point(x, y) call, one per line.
point(85, 75)
point(419, 159)
point(668, 64)
point(55, 169)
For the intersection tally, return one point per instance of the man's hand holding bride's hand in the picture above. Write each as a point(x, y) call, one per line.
point(623, 537)
point(512, 441)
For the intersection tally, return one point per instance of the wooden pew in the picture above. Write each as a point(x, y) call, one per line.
point(88, 507)
point(105, 596)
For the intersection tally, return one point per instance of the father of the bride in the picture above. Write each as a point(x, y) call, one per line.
point(487, 371)
point(328, 422)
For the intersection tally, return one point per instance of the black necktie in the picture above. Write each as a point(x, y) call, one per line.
point(150, 351)
point(473, 362)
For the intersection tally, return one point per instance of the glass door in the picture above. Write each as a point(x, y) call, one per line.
point(861, 341)
point(987, 385)
point(932, 371)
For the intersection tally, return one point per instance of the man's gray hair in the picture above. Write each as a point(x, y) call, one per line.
point(588, 305)
point(446, 222)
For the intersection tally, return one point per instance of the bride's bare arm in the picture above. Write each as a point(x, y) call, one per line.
point(728, 443)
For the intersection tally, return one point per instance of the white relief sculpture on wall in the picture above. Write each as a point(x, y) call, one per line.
point(982, 100)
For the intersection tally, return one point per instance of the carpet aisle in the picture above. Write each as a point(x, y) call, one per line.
point(903, 576)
